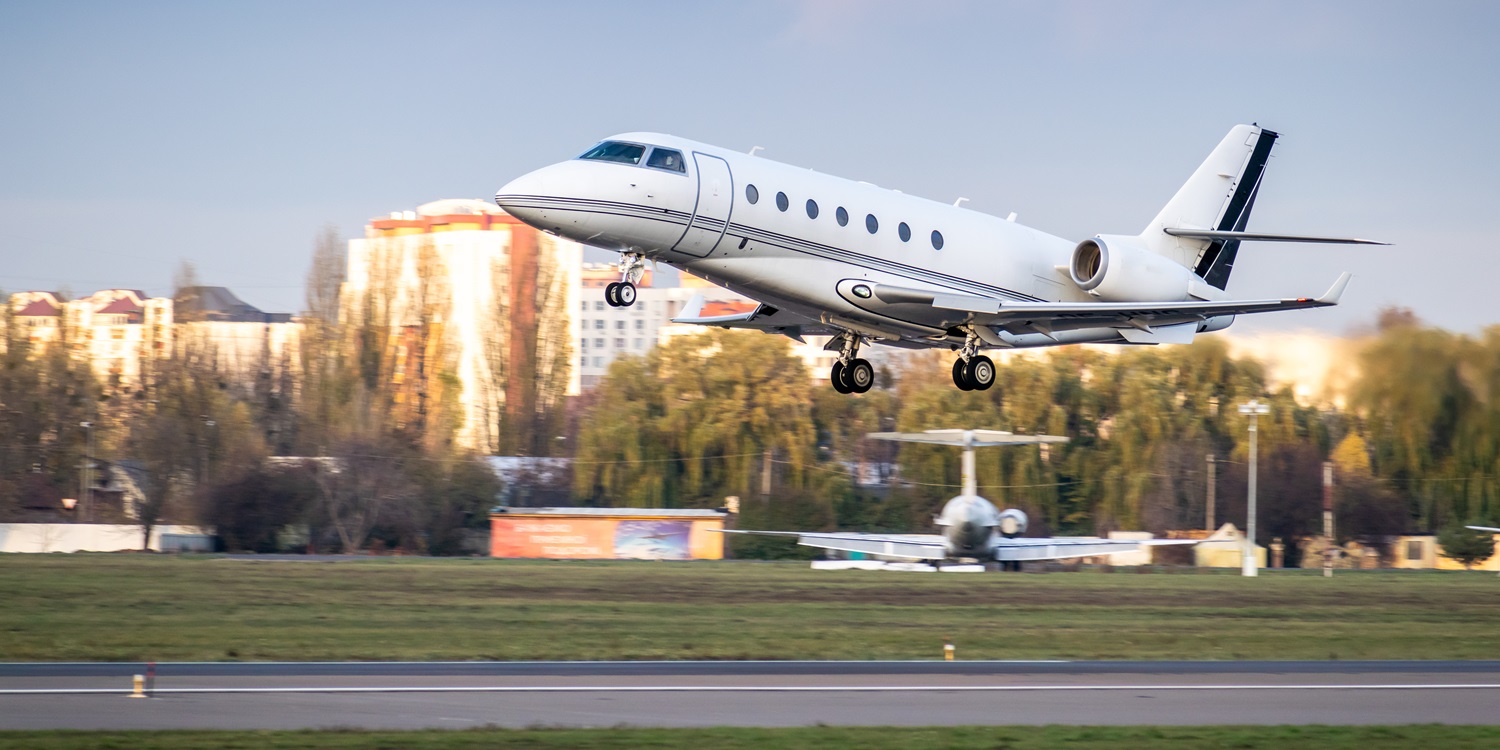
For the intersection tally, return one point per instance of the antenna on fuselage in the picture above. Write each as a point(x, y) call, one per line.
point(753, 149)
point(968, 440)
point(960, 202)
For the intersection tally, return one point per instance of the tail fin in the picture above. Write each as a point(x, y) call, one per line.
point(1219, 197)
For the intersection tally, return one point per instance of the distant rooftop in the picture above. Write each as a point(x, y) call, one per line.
point(216, 303)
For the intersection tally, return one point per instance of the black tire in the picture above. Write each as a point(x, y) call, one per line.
point(859, 376)
point(625, 294)
point(609, 294)
point(980, 373)
point(958, 376)
point(836, 376)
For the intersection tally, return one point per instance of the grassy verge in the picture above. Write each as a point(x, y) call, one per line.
point(860, 738)
point(133, 607)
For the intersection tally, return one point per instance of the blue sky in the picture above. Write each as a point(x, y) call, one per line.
point(133, 135)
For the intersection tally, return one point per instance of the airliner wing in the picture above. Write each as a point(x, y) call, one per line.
point(1061, 548)
point(911, 546)
point(762, 318)
point(1130, 317)
point(1484, 528)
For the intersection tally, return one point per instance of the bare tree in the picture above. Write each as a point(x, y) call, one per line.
point(362, 484)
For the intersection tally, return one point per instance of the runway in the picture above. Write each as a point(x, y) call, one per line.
point(413, 695)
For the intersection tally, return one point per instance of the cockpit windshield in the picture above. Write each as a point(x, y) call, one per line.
point(625, 153)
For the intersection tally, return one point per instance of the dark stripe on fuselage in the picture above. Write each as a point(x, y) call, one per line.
point(1218, 259)
point(764, 236)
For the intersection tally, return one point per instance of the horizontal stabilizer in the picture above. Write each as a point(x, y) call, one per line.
point(1214, 234)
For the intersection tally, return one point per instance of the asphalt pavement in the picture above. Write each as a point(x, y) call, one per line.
point(412, 695)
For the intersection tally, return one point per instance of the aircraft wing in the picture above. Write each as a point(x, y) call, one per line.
point(1484, 528)
point(1062, 548)
point(911, 546)
point(762, 318)
point(1150, 322)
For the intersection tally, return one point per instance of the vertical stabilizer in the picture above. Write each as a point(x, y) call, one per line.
point(1218, 196)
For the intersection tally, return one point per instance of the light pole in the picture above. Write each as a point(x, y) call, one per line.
point(83, 474)
point(1254, 410)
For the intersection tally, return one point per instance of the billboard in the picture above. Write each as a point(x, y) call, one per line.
point(605, 538)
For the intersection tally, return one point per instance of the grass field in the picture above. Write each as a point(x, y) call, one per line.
point(863, 738)
point(142, 607)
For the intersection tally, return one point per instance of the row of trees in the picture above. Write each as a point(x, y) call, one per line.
point(1417, 447)
point(200, 444)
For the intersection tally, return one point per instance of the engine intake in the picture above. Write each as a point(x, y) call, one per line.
point(1115, 269)
point(1012, 523)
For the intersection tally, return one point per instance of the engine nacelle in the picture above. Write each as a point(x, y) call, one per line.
point(1012, 523)
point(1116, 269)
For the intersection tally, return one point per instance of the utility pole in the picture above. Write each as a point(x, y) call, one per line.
point(1254, 410)
point(1208, 509)
point(765, 474)
point(1328, 519)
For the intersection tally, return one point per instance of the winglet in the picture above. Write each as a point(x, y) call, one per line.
point(693, 308)
point(1331, 297)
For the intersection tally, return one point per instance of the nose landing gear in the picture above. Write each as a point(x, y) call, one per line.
point(622, 293)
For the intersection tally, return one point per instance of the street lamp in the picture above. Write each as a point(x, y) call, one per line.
point(1254, 410)
point(85, 470)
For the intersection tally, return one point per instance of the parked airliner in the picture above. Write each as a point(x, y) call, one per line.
point(972, 528)
point(863, 264)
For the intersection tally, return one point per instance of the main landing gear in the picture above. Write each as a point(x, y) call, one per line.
point(622, 293)
point(973, 371)
point(851, 374)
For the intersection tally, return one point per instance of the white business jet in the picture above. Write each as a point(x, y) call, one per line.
point(972, 527)
point(835, 257)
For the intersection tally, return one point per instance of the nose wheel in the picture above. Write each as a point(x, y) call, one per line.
point(620, 294)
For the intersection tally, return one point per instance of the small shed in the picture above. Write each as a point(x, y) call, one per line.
point(607, 533)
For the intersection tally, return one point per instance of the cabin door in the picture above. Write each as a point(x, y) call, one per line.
point(715, 203)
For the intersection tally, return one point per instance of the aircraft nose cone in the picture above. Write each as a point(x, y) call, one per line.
point(520, 196)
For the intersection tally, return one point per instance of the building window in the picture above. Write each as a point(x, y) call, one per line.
point(937, 240)
point(871, 224)
point(598, 343)
point(585, 343)
point(599, 325)
point(619, 343)
point(619, 325)
point(637, 343)
point(842, 216)
point(640, 325)
point(585, 307)
point(812, 209)
point(598, 305)
point(904, 231)
point(781, 202)
point(598, 361)
point(752, 195)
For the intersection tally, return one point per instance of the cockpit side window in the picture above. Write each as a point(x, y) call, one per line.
point(625, 153)
point(666, 158)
